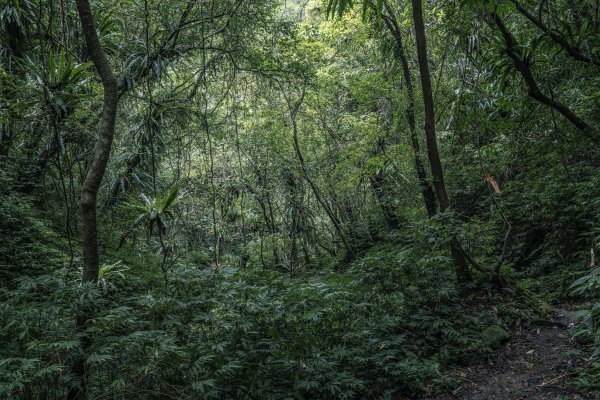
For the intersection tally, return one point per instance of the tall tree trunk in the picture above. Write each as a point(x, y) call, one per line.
point(94, 176)
point(460, 262)
point(426, 189)
point(106, 128)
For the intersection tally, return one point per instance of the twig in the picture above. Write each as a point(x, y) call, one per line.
point(566, 374)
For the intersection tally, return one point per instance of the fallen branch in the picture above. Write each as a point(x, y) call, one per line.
point(566, 374)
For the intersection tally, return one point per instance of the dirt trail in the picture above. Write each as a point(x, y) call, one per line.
point(536, 364)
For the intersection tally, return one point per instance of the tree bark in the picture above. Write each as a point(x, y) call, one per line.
point(106, 128)
point(93, 178)
point(460, 262)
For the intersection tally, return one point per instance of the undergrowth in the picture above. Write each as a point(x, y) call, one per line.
point(386, 328)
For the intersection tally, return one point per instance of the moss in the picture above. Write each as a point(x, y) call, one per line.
point(495, 335)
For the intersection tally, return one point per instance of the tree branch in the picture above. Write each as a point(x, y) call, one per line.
point(533, 89)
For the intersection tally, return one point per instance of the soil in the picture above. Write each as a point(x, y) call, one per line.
point(537, 363)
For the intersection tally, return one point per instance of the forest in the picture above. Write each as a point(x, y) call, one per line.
point(299, 199)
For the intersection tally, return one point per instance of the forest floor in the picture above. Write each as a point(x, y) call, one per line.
point(537, 363)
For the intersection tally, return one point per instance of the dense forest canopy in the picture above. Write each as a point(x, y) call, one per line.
point(295, 199)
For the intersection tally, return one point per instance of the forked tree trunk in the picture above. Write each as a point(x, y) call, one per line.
point(93, 178)
point(458, 257)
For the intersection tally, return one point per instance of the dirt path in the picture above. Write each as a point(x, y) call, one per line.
point(536, 364)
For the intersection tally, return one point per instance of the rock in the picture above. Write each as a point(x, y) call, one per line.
point(495, 335)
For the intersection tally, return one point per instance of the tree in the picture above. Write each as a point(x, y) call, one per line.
point(106, 129)
point(95, 172)
point(394, 29)
point(458, 254)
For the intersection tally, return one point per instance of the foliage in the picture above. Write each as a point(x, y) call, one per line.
point(155, 211)
point(589, 329)
point(242, 334)
point(265, 153)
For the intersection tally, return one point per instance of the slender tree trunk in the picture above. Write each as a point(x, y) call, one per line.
point(426, 189)
point(106, 128)
point(94, 176)
point(460, 262)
